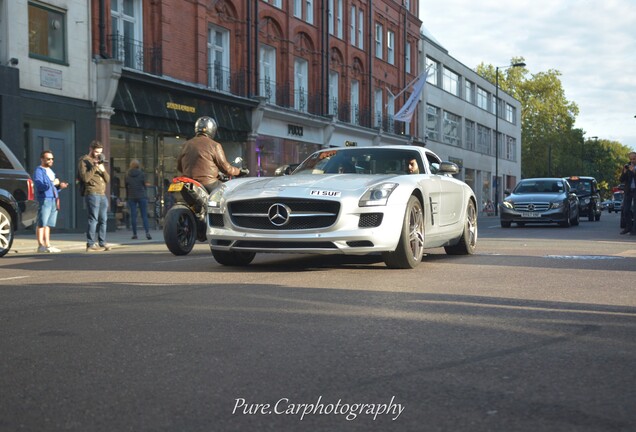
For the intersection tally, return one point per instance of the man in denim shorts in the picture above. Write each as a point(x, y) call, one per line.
point(47, 189)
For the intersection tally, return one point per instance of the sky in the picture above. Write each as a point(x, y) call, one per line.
point(591, 43)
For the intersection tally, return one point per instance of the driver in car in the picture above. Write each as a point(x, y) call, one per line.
point(202, 158)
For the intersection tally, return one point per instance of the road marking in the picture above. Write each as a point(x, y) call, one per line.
point(585, 257)
point(12, 278)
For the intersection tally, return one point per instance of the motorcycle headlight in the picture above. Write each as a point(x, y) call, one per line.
point(508, 204)
point(377, 195)
point(556, 204)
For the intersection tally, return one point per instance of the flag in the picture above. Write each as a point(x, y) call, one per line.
point(405, 114)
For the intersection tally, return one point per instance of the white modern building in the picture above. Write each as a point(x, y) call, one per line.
point(457, 119)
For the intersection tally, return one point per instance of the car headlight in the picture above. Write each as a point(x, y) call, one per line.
point(556, 204)
point(377, 195)
point(586, 201)
point(508, 204)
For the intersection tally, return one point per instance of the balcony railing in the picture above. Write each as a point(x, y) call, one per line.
point(135, 54)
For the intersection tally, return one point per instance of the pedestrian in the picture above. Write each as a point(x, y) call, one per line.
point(47, 189)
point(136, 196)
point(94, 175)
point(202, 158)
point(628, 178)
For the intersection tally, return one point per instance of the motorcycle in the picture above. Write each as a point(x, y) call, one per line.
point(186, 221)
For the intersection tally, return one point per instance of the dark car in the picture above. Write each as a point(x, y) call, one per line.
point(540, 200)
point(586, 188)
point(18, 208)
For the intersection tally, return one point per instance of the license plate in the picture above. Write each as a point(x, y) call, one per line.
point(530, 215)
point(175, 187)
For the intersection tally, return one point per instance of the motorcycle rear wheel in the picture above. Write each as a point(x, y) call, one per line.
point(179, 230)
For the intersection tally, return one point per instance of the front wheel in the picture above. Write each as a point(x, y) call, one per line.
point(7, 232)
point(179, 230)
point(468, 241)
point(410, 248)
point(233, 258)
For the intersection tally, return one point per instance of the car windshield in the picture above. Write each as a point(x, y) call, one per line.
point(581, 186)
point(358, 161)
point(539, 186)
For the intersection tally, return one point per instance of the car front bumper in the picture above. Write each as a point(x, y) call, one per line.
point(549, 216)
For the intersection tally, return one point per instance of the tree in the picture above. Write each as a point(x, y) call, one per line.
point(550, 145)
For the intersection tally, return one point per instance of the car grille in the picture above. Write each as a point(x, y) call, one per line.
point(532, 207)
point(283, 214)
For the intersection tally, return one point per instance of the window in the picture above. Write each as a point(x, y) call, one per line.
point(484, 143)
point(330, 18)
point(300, 84)
point(390, 113)
point(277, 3)
point(450, 82)
point(267, 85)
point(126, 32)
point(339, 24)
point(451, 129)
point(510, 114)
point(47, 33)
point(308, 13)
point(470, 135)
point(378, 40)
point(352, 26)
point(510, 149)
point(218, 59)
point(377, 109)
point(432, 122)
point(407, 58)
point(360, 30)
point(355, 101)
point(390, 47)
point(333, 92)
point(469, 92)
point(482, 98)
point(431, 65)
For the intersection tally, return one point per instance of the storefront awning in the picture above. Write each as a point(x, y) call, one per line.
point(144, 106)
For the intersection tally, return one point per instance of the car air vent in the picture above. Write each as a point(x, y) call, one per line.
point(370, 220)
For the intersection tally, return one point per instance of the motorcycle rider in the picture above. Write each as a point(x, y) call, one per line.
point(201, 157)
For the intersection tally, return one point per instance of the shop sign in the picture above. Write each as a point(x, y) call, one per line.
point(180, 107)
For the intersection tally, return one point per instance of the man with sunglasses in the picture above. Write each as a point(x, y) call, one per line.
point(47, 189)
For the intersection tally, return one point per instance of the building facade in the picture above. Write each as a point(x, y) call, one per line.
point(457, 114)
point(282, 78)
point(46, 87)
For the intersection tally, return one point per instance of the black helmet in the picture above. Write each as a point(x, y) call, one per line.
point(205, 126)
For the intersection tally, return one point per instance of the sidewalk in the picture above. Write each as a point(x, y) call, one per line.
point(25, 242)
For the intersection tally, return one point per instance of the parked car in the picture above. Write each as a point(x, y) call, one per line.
point(586, 188)
point(540, 200)
point(351, 201)
point(616, 204)
point(18, 208)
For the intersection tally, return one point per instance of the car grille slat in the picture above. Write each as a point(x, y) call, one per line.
point(303, 214)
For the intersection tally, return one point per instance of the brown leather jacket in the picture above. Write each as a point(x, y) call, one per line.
point(201, 158)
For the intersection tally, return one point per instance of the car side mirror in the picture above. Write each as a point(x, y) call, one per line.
point(507, 192)
point(448, 168)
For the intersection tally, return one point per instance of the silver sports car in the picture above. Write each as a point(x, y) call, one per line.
point(393, 200)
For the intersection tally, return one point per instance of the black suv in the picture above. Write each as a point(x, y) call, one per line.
point(18, 208)
point(586, 188)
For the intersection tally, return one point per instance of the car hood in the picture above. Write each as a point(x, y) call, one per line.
point(537, 197)
point(295, 185)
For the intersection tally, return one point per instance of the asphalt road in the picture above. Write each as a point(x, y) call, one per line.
point(536, 332)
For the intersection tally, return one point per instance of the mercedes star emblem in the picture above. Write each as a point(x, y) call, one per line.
point(278, 214)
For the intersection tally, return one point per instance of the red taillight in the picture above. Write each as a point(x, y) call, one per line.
point(30, 190)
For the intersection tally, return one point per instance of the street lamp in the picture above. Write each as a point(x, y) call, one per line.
point(519, 64)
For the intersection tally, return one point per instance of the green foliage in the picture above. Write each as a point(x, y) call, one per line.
point(551, 146)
